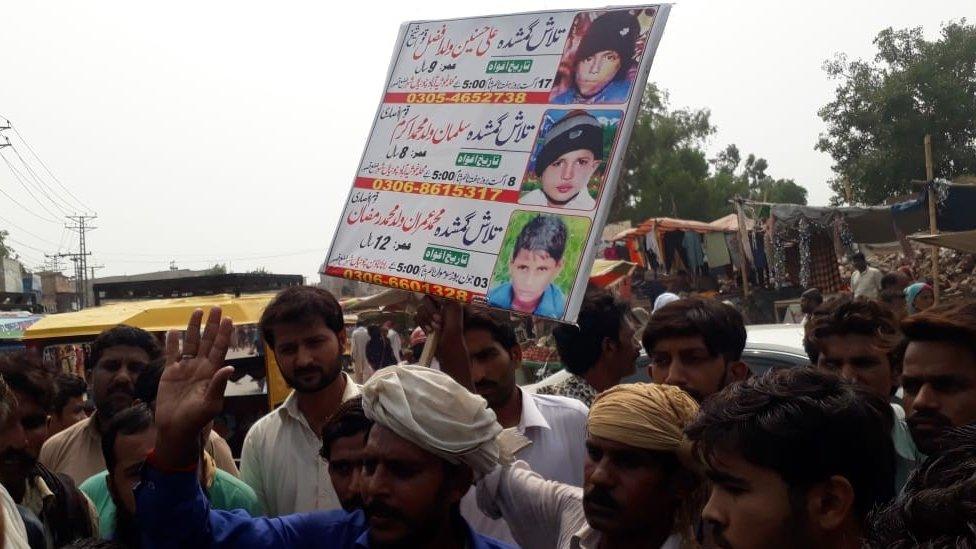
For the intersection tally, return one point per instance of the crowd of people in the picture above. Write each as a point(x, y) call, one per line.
point(870, 446)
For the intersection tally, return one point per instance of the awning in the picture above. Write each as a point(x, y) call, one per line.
point(964, 241)
point(665, 224)
point(12, 327)
point(156, 315)
point(606, 272)
point(730, 224)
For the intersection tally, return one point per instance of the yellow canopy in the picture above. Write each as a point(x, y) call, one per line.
point(156, 315)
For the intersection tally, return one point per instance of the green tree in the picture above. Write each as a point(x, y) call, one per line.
point(218, 269)
point(883, 109)
point(5, 250)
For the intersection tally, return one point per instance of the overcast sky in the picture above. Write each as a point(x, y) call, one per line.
point(230, 131)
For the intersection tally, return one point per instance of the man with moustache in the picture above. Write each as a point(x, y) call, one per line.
point(640, 488)
point(551, 429)
point(429, 440)
point(860, 341)
point(343, 445)
point(939, 376)
point(64, 512)
point(696, 344)
point(599, 351)
point(118, 356)
point(305, 330)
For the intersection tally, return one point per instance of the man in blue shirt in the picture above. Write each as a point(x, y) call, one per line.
point(430, 439)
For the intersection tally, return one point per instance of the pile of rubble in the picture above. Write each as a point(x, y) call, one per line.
point(957, 270)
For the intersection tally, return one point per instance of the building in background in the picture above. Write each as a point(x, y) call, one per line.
point(185, 283)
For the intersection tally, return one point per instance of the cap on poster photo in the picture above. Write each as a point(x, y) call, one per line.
point(577, 130)
point(615, 31)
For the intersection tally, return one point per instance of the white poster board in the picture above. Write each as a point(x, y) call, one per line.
point(494, 155)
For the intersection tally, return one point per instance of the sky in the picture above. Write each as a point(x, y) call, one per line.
point(230, 131)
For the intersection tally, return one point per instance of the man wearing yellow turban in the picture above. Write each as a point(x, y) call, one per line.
point(641, 489)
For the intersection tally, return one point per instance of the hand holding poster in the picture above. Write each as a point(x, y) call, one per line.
point(494, 154)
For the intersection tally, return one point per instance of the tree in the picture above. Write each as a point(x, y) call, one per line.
point(5, 250)
point(667, 173)
point(218, 269)
point(884, 108)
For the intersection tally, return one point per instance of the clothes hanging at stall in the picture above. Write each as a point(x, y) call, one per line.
point(759, 257)
point(693, 251)
point(717, 250)
point(824, 272)
point(673, 249)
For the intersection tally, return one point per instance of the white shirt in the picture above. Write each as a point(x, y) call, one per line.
point(395, 343)
point(866, 284)
point(361, 367)
point(14, 531)
point(582, 200)
point(556, 427)
point(541, 513)
point(280, 460)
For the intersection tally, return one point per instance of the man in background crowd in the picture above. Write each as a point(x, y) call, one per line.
point(484, 355)
point(866, 280)
point(599, 351)
point(118, 356)
point(860, 341)
point(696, 345)
point(939, 376)
point(343, 446)
point(797, 458)
point(125, 445)
point(64, 512)
point(70, 403)
point(304, 328)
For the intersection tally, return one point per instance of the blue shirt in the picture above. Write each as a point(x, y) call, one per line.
point(552, 303)
point(173, 512)
point(614, 92)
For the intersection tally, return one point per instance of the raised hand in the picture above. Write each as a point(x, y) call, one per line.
point(191, 389)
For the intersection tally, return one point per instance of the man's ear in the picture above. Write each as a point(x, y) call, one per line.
point(462, 478)
point(830, 503)
point(342, 337)
point(738, 371)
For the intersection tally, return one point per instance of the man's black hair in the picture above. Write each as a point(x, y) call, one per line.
point(806, 426)
point(719, 325)
point(936, 507)
point(601, 317)
point(28, 377)
point(502, 332)
point(132, 420)
point(297, 304)
point(124, 335)
point(858, 316)
point(67, 387)
point(859, 256)
point(544, 233)
point(349, 419)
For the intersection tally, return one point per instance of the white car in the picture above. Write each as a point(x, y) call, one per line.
point(768, 346)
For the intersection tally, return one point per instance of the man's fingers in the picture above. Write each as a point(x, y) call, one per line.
point(210, 332)
point(218, 384)
point(191, 340)
point(221, 342)
point(172, 349)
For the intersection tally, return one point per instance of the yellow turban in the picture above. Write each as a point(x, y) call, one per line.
point(644, 415)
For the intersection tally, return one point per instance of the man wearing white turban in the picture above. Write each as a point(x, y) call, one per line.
point(430, 440)
point(641, 488)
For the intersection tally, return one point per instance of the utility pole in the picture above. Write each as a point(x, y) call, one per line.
point(933, 225)
point(81, 226)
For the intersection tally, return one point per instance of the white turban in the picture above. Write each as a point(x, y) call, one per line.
point(664, 299)
point(431, 410)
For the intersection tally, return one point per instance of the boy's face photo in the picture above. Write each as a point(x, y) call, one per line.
point(596, 71)
point(531, 273)
point(568, 175)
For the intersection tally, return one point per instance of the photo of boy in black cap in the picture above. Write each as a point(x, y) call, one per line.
point(536, 260)
point(602, 62)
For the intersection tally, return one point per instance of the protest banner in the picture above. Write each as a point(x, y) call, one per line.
point(494, 154)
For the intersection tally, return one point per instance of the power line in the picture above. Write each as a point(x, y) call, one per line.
point(20, 180)
point(48, 170)
point(41, 184)
point(25, 231)
point(26, 209)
